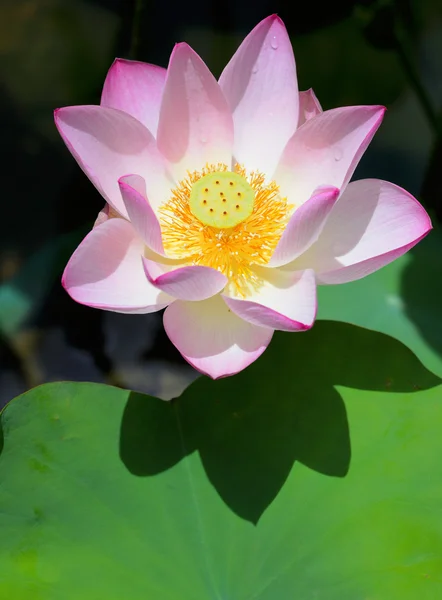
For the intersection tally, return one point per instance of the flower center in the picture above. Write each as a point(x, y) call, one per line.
point(231, 221)
point(222, 199)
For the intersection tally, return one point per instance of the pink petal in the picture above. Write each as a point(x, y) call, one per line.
point(326, 150)
point(106, 271)
point(373, 223)
point(141, 215)
point(186, 283)
point(261, 86)
point(304, 226)
point(196, 125)
point(309, 106)
point(213, 339)
point(286, 302)
point(107, 212)
point(108, 144)
point(102, 216)
point(135, 88)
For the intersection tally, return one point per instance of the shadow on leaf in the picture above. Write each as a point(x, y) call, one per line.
point(251, 428)
point(421, 289)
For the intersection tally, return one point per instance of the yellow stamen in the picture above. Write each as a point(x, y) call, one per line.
point(198, 237)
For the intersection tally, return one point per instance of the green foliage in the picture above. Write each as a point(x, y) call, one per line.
point(402, 300)
point(314, 474)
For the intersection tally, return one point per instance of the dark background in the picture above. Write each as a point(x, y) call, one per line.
point(57, 52)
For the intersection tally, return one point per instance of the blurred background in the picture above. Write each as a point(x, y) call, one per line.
point(57, 52)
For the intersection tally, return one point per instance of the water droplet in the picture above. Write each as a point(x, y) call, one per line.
point(274, 43)
point(203, 139)
point(255, 69)
point(395, 301)
point(338, 154)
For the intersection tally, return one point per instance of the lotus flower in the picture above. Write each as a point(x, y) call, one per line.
point(228, 201)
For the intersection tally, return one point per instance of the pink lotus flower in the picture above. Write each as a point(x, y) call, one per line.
point(227, 202)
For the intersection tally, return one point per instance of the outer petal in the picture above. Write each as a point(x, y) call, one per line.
point(309, 106)
point(373, 223)
point(107, 212)
point(108, 144)
point(213, 339)
point(186, 283)
point(196, 125)
point(261, 86)
point(106, 271)
point(286, 302)
point(326, 150)
point(141, 214)
point(135, 88)
point(304, 226)
point(102, 216)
